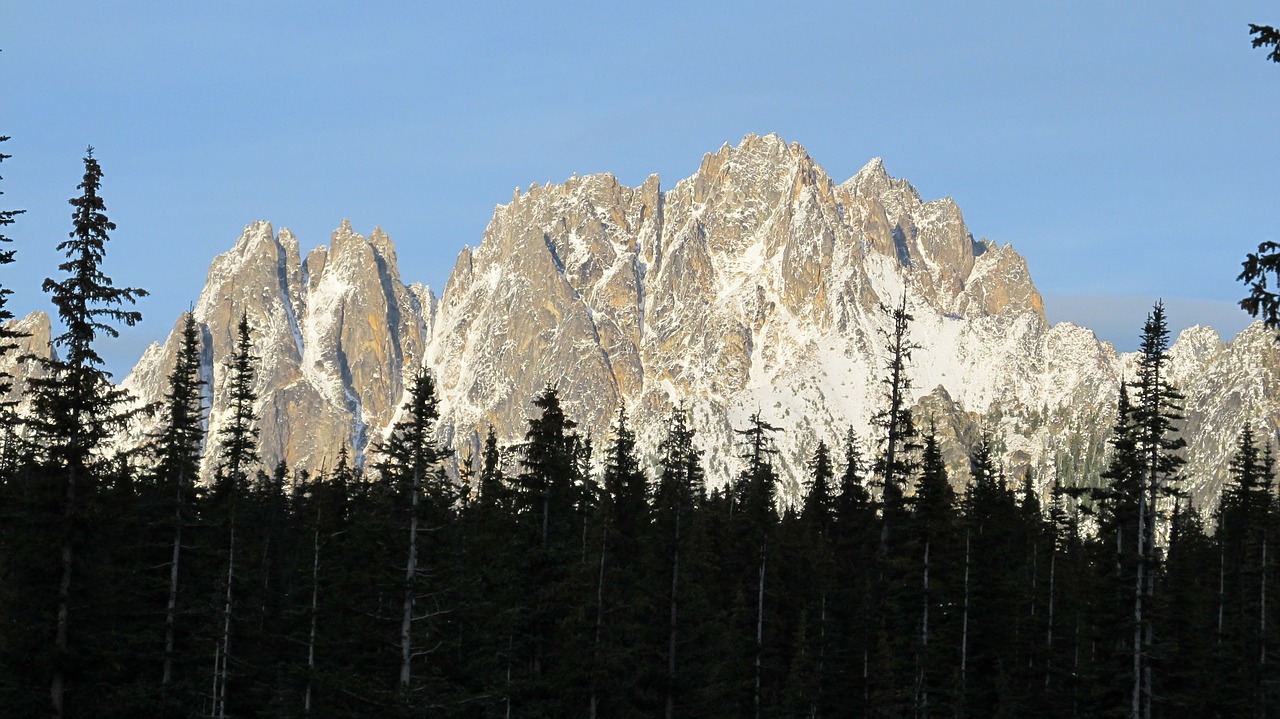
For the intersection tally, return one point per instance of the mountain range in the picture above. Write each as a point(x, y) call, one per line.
point(757, 285)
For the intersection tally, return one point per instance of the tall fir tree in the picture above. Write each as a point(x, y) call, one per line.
point(549, 534)
point(7, 217)
point(933, 518)
point(179, 446)
point(76, 408)
point(621, 606)
point(1157, 412)
point(238, 436)
point(680, 494)
point(8, 343)
point(855, 543)
point(986, 677)
point(237, 457)
point(755, 515)
point(1245, 515)
point(810, 679)
point(895, 461)
point(414, 466)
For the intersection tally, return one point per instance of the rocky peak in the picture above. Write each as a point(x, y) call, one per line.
point(332, 339)
point(20, 361)
point(752, 286)
point(872, 184)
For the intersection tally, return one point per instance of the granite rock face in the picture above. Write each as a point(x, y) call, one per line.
point(333, 337)
point(755, 285)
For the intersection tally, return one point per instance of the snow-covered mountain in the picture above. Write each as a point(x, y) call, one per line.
point(753, 286)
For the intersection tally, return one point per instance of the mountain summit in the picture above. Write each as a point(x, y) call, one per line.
point(755, 285)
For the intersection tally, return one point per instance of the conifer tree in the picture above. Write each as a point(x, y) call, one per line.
point(179, 446)
point(1262, 301)
point(414, 465)
point(1116, 506)
point(1156, 412)
point(819, 499)
point(855, 543)
point(933, 514)
point(1197, 682)
point(548, 490)
point(547, 484)
point(1244, 518)
point(755, 493)
point(8, 343)
point(817, 565)
point(8, 416)
point(238, 438)
point(492, 486)
point(895, 462)
point(678, 497)
point(990, 515)
point(237, 456)
point(7, 217)
point(77, 410)
point(619, 587)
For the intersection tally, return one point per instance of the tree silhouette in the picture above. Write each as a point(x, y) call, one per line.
point(1262, 302)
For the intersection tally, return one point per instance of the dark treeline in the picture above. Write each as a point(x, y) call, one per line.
point(561, 578)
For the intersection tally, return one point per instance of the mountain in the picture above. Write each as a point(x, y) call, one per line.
point(755, 285)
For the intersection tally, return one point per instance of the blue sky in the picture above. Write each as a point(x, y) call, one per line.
point(1128, 150)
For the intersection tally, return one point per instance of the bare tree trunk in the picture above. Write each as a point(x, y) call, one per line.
point(1075, 671)
point(217, 666)
point(764, 549)
point(866, 677)
point(1262, 626)
point(411, 570)
point(1048, 656)
point(224, 652)
point(171, 609)
point(311, 638)
point(964, 631)
point(57, 688)
point(510, 645)
point(822, 659)
point(673, 625)
point(546, 515)
point(924, 640)
point(1149, 626)
point(595, 645)
point(1139, 590)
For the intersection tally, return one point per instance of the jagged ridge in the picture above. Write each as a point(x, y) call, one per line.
point(753, 285)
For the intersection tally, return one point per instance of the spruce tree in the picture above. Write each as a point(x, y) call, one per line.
point(990, 522)
point(932, 519)
point(77, 409)
point(238, 437)
point(1244, 518)
point(547, 507)
point(855, 543)
point(895, 461)
point(237, 456)
point(7, 217)
point(819, 499)
point(413, 465)
point(816, 565)
point(755, 515)
point(620, 595)
point(679, 497)
point(1196, 679)
point(1156, 413)
point(8, 343)
point(179, 446)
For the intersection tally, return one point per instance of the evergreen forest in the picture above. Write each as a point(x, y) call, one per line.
point(566, 577)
